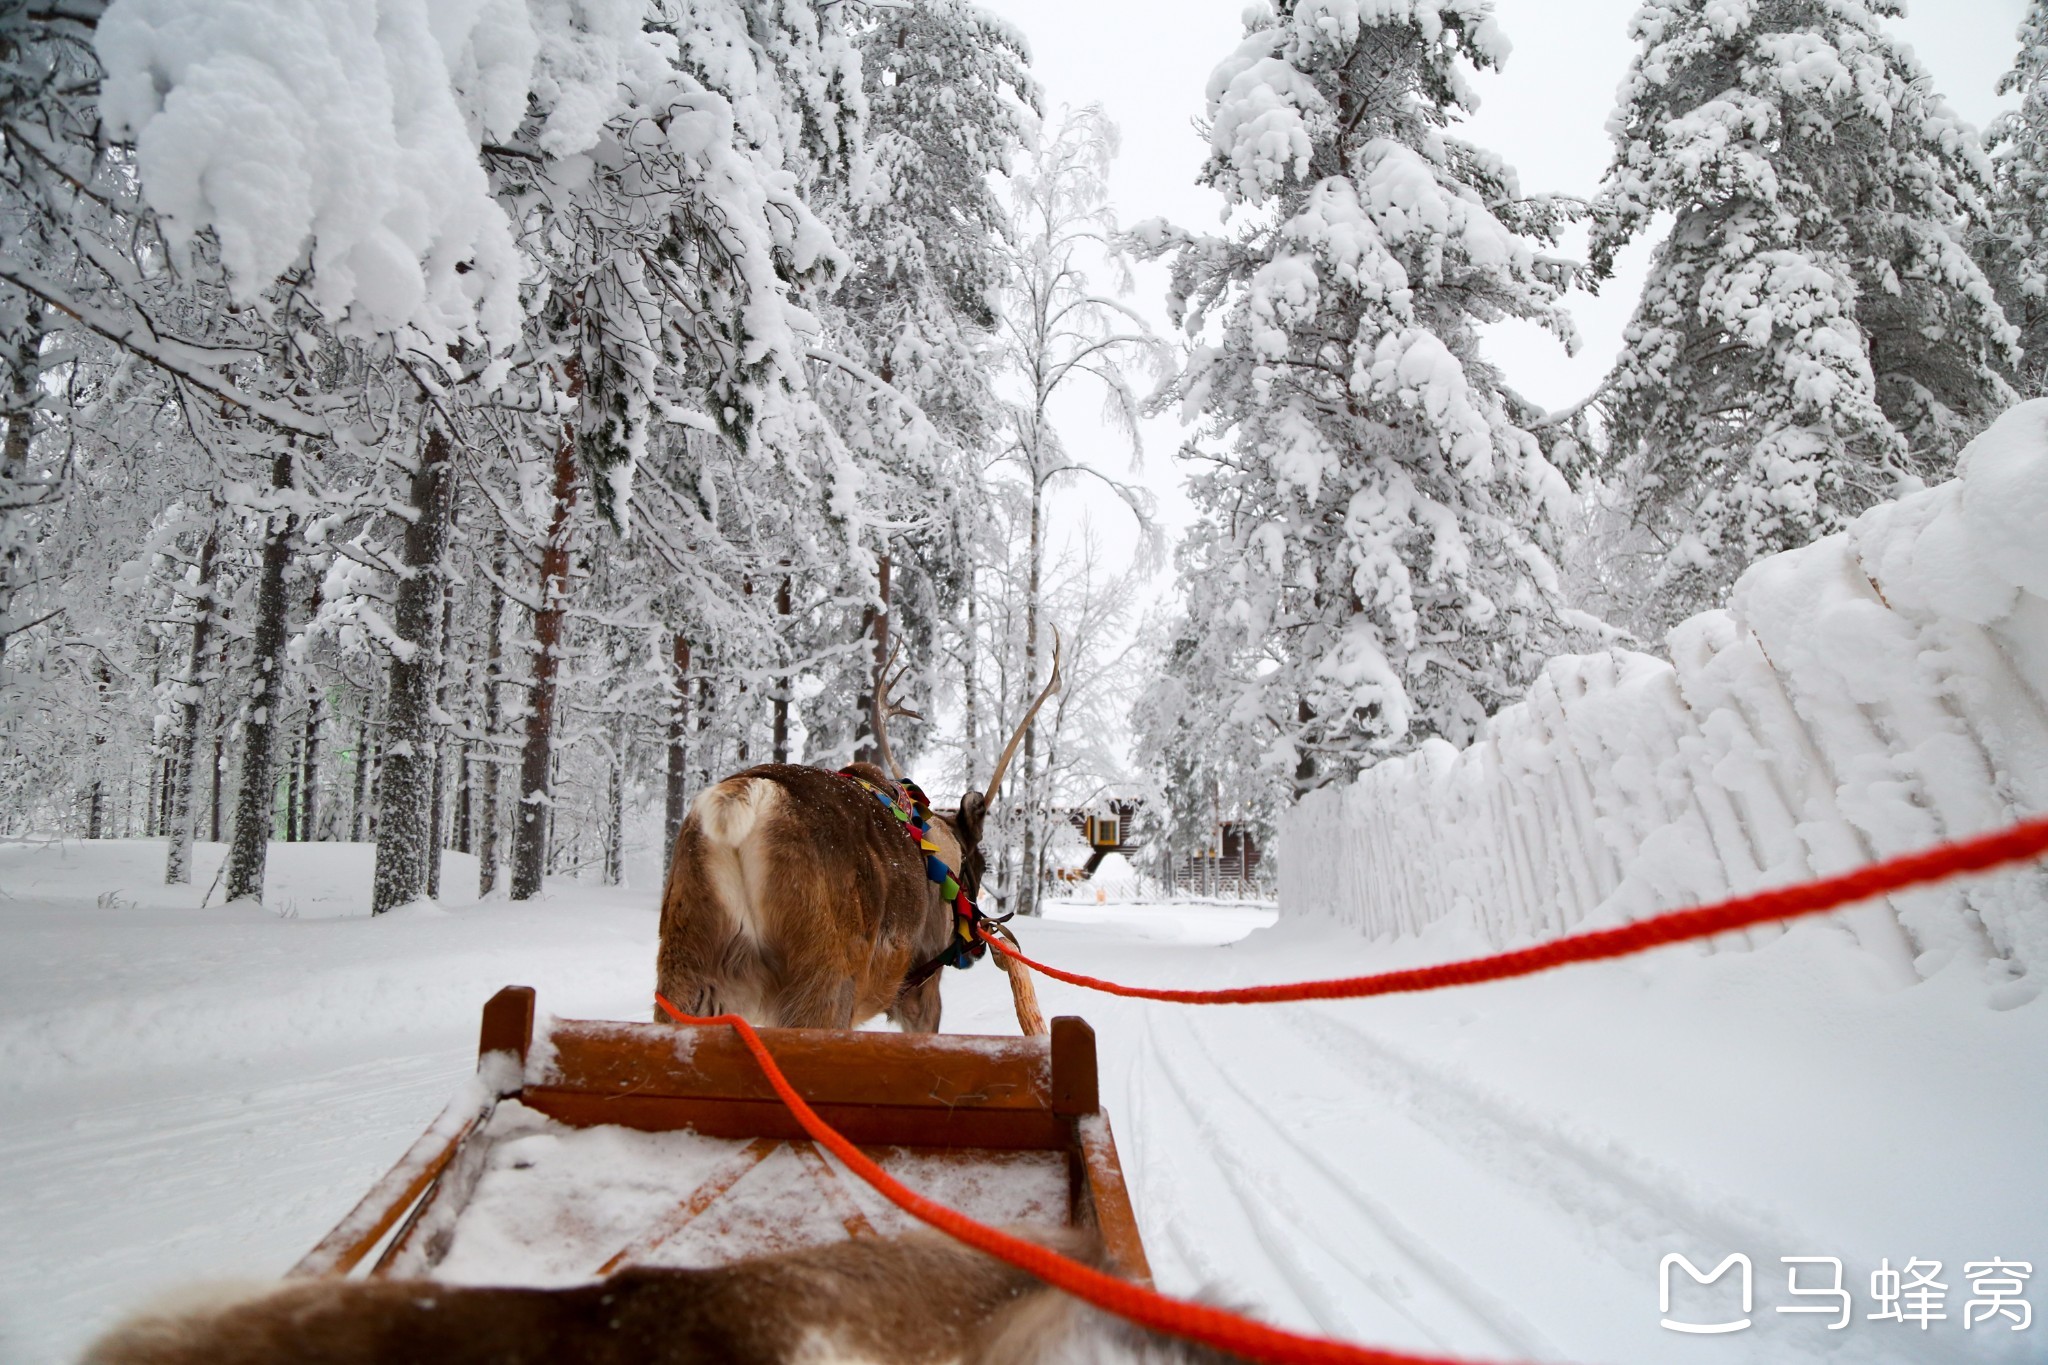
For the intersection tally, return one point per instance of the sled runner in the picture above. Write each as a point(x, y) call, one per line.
point(592, 1145)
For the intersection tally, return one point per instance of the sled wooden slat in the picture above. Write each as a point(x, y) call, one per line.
point(874, 1125)
point(390, 1198)
point(701, 1198)
point(828, 1067)
point(957, 1100)
point(1110, 1202)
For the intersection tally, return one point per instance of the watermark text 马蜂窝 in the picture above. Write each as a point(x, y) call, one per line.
point(1914, 1294)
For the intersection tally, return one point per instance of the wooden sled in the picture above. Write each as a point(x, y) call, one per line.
point(597, 1145)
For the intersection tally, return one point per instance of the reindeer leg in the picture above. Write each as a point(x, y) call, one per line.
point(698, 997)
point(823, 1000)
point(917, 1011)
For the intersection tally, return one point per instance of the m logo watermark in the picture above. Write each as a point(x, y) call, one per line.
point(1703, 1328)
point(1910, 1296)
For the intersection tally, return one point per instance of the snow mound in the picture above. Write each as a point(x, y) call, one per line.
point(2003, 496)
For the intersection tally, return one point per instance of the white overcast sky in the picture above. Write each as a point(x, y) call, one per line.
point(1147, 61)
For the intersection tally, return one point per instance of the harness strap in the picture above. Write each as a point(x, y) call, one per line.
point(965, 947)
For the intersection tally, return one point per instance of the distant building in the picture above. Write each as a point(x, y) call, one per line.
point(1105, 831)
point(1225, 868)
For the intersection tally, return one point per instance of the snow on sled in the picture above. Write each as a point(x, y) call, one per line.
point(597, 1145)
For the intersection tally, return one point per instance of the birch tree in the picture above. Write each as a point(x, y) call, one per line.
point(1063, 331)
point(2014, 244)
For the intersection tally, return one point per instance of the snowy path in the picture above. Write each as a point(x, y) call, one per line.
point(1493, 1172)
point(223, 1172)
point(1498, 1172)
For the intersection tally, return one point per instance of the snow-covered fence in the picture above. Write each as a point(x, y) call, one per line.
point(1866, 695)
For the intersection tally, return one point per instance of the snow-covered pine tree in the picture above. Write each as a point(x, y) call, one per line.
point(2014, 246)
point(658, 183)
point(1814, 335)
point(47, 149)
point(242, 302)
point(908, 381)
point(1373, 567)
point(497, 207)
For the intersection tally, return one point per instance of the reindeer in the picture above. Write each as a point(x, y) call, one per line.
point(912, 1299)
point(795, 900)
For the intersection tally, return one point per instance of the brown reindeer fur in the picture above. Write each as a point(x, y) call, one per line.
point(904, 1300)
point(795, 900)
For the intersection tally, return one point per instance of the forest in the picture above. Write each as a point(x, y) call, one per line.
point(478, 426)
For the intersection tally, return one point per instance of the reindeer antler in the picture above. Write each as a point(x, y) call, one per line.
point(881, 705)
point(1052, 685)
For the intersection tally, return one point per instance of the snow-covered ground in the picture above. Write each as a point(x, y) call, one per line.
point(1495, 1171)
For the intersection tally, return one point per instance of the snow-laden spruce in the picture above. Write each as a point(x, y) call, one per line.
point(2014, 248)
point(1371, 564)
point(675, 248)
point(1814, 336)
point(906, 365)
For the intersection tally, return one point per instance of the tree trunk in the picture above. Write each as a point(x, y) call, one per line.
point(437, 831)
point(362, 785)
point(743, 727)
point(22, 353)
point(782, 680)
point(615, 810)
point(460, 840)
point(309, 812)
point(1305, 765)
point(96, 800)
point(463, 837)
point(969, 724)
point(376, 784)
point(435, 825)
point(294, 770)
point(24, 359)
point(548, 827)
point(874, 621)
point(256, 797)
point(404, 787)
point(316, 709)
point(487, 836)
point(678, 749)
point(707, 698)
point(220, 760)
point(530, 832)
point(192, 695)
point(1027, 888)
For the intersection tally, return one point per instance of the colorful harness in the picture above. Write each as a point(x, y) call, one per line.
point(965, 947)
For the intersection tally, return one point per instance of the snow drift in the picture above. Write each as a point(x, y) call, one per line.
point(1869, 694)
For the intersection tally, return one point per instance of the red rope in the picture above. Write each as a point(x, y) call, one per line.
point(1176, 1317)
point(2018, 843)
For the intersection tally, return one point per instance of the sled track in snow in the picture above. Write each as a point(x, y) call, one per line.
point(1628, 1207)
point(237, 1171)
point(1377, 1254)
point(1318, 1188)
